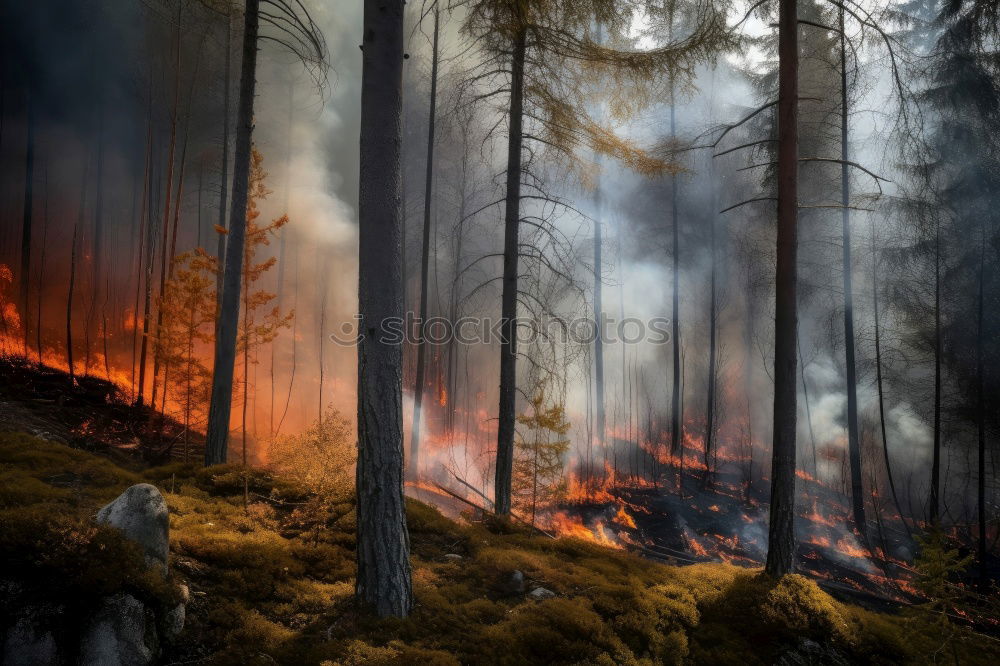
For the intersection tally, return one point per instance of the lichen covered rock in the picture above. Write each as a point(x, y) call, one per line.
point(141, 513)
point(121, 633)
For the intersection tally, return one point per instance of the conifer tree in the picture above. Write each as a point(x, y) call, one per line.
point(539, 457)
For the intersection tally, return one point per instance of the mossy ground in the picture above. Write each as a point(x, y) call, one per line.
point(272, 582)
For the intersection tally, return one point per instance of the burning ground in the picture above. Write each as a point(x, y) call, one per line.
point(689, 516)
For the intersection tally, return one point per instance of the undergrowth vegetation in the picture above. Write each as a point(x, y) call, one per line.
point(271, 581)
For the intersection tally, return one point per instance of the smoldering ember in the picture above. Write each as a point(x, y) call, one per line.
point(500, 332)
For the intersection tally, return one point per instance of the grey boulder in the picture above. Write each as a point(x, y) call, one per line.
point(141, 513)
point(29, 644)
point(121, 633)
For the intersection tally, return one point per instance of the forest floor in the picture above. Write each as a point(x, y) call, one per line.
point(270, 568)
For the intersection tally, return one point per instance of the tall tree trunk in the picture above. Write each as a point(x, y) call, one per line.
point(878, 381)
point(853, 437)
point(805, 396)
point(781, 531)
point(283, 241)
point(29, 204)
point(295, 360)
point(713, 317)
point(228, 318)
point(456, 290)
point(175, 224)
point(981, 419)
point(220, 252)
point(383, 575)
point(934, 500)
point(39, 286)
point(508, 307)
point(97, 258)
point(322, 336)
point(418, 388)
point(72, 275)
point(600, 424)
point(151, 233)
point(675, 391)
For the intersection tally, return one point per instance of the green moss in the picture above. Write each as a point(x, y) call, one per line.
point(274, 581)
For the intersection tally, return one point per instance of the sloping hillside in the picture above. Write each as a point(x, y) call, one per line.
point(270, 566)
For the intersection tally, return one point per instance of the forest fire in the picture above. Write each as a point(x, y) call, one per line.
point(585, 276)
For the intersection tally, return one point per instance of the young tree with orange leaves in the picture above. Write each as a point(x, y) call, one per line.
point(188, 305)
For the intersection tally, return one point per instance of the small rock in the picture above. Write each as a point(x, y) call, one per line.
point(27, 644)
point(141, 513)
point(121, 633)
point(811, 653)
point(540, 593)
point(454, 557)
point(173, 622)
point(512, 583)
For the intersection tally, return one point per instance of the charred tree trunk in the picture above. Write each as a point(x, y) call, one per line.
point(600, 425)
point(853, 437)
point(165, 250)
point(781, 532)
point(805, 396)
point(713, 316)
point(40, 285)
point(220, 252)
point(383, 575)
point(934, 502)
point(284, 238)
point(675, 391)
point(418, 389)
point(228, 317)
point(878, 382)
point(148, 296)
point(981, 421)
point(508, 342)
point(97, 258)
point(72, 276)
point(29, 204)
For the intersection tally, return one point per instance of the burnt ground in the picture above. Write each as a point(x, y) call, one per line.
point(88, 413)
point(720, 522)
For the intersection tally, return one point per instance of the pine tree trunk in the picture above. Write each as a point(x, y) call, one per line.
point(600, 424)
point(418, 389)
point(39, 293)
point(383, 544)
point(805, 397)
point(220, 252)
point(29, 204)
point(713, 316)
point(508, 343)
point(147, 280)
point(72, 277)
point(165, 249)
point(97, 258)
point(878, 382)
point(675, 388)
point(456, 289)
point(283, 241)
point(853, 437)
point(981, 421)
point(228, 317)
point(781, 532)
point(934, 501)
